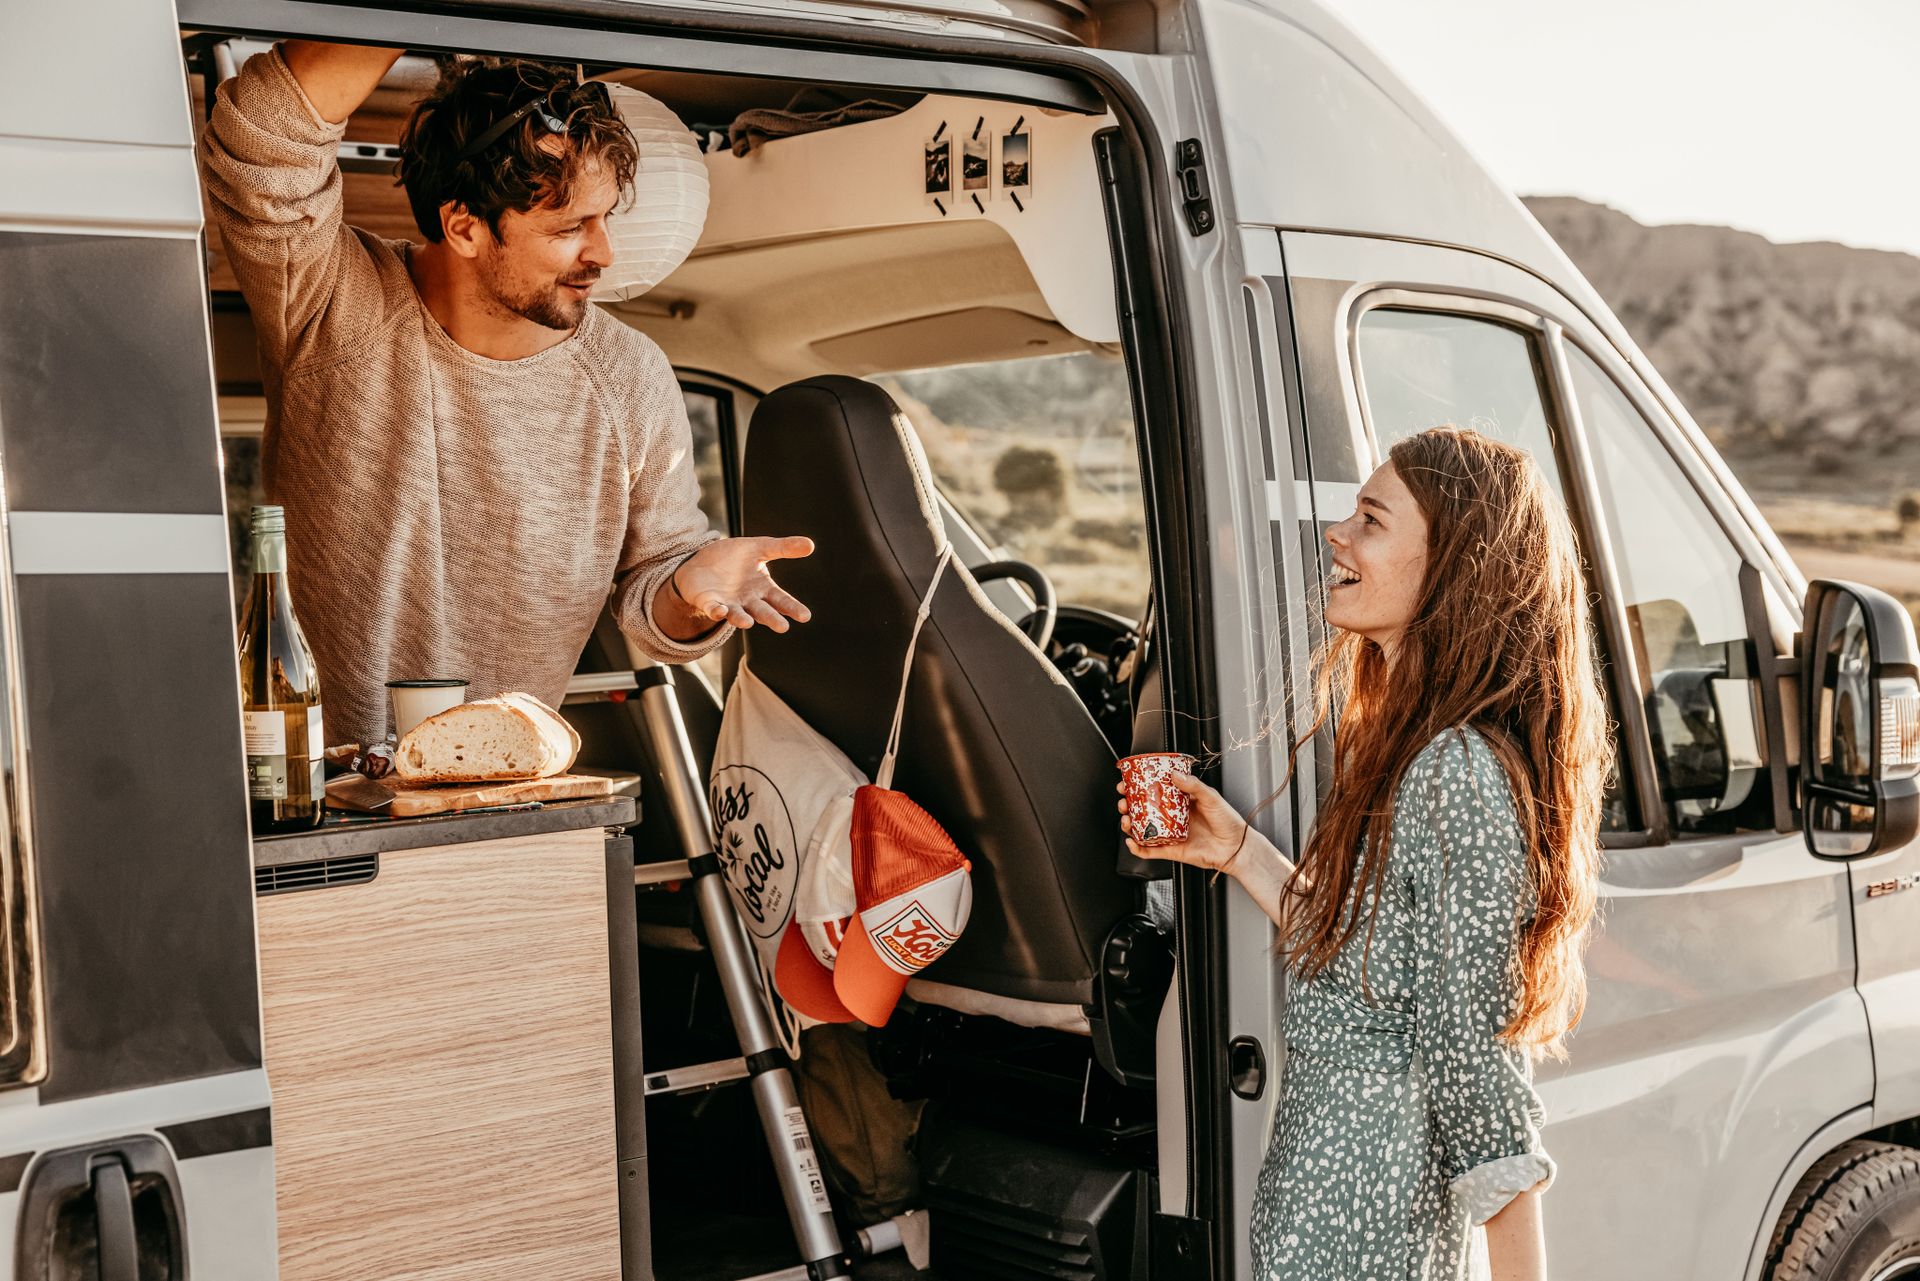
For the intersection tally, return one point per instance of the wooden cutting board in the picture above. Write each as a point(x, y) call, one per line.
point(355, 792)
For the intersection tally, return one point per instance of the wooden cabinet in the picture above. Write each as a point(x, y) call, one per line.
point(438, 1042)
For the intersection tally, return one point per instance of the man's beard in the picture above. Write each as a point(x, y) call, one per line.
point(543, 305)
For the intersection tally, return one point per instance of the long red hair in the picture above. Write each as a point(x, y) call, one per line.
point(1500, 642)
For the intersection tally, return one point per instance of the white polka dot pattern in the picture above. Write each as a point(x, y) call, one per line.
point(1403, 1121)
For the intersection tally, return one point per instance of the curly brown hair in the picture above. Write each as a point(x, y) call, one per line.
point(520, 170)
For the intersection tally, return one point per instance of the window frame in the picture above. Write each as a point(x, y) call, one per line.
point(1769, 663)
point(1645, 802)
point(727, 424)
point(23, 1055)
point(1550, 336)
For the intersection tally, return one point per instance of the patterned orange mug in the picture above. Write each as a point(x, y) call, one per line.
point(1157, 810)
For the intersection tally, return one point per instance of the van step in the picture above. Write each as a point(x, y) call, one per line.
point(662, 873)
point(700, 1076)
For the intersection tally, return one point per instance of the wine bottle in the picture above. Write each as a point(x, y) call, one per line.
point(279, 692)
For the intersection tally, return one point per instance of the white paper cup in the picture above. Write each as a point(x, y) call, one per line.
point(414, 701)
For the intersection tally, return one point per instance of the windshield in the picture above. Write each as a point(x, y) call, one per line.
point(1038, 455)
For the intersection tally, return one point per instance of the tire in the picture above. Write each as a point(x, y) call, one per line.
point(1855, 1216)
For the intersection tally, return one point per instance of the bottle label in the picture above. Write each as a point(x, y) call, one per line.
point(267, 777)
point(265, 733)
point(316, 736)
point(266, 739)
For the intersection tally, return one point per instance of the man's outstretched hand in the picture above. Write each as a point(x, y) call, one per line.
point(728, 582)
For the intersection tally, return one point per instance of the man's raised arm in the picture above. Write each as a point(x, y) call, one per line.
point(270, 158)
point(337, 78)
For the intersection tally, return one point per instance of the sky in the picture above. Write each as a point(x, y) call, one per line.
point(1795, 120)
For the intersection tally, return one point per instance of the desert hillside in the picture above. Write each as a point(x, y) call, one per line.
point(1796, 358)
point(1802, 361)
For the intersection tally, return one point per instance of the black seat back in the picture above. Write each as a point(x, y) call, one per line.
point(995, 744)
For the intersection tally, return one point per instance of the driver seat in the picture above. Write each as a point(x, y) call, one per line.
point(995, 743)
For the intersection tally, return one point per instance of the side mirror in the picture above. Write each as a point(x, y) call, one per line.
point(1860, 721)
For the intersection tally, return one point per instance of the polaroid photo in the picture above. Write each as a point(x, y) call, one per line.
point(976, 169)
point(1016, 164)
point(938, 177)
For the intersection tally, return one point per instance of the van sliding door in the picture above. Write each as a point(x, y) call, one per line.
point(135, 1120)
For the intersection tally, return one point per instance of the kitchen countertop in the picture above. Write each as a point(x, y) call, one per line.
point(346, 837)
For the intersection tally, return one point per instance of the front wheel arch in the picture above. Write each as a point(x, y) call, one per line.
point(1854, 1215)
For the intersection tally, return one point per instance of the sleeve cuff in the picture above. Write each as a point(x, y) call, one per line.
point(646, 631)
point(292, 112)
point(1486, 1189)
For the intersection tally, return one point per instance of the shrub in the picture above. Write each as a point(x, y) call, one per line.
point(1034, 483)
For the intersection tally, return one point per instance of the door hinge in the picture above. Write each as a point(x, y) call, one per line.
point(1196, 194)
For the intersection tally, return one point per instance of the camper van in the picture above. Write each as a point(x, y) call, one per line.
point(1119, 299)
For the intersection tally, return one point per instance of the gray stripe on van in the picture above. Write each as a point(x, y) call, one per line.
point(117, 543)
point(209, 1136)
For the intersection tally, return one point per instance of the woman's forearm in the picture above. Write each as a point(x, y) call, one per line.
point(1517, 1241)
point(1263, 871)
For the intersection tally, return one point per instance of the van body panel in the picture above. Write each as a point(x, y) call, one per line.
point(107, 71)
point(1722, 1029)
point(128, 683)
point(1830, 1136)
point(75, 157)
point(1321, 134)
point(1257, 642)
point(226, 1172)
point(233, 1229)
point(120, 188)
point(513, 32)
point(1052, 21)
point(1886, 922)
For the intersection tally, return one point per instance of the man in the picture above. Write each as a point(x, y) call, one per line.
point(471, 454)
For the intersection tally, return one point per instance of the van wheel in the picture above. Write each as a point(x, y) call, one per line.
point(1855, 1216)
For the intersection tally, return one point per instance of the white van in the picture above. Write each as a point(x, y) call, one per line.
point(1224, 259)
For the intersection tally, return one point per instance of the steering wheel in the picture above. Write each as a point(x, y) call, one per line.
point(1038, 625)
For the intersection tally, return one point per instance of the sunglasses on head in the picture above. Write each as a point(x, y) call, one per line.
point(541, 109)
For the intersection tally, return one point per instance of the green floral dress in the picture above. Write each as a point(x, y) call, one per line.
point(1403, 1122)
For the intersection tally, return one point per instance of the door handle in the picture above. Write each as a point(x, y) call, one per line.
point(88, 1211)
point(113, 1211)
point(1246, 1067)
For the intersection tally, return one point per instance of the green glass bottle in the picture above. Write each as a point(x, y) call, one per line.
point(279, 692)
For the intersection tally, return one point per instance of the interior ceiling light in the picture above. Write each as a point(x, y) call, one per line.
point(655, 234)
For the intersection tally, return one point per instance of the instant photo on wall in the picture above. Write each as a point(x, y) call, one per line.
point(938, 174)
point(1016, 165)
point(976, 171)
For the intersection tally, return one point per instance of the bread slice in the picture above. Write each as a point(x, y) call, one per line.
point(513, 736)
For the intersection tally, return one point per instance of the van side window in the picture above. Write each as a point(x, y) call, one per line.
point(704, 410)
point(1419, 369)
point(1679, 575)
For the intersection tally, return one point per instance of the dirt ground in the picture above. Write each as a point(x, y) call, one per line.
point(1890, 572)
point(1860, 541)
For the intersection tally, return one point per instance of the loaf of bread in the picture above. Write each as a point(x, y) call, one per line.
point(494, 739)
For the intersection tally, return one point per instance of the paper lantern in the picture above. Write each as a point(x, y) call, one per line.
point(654, 235)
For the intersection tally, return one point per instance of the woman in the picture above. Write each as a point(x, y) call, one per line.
point(1434, 922)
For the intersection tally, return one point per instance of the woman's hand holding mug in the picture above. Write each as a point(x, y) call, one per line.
point(1220, 840)
point(1215, 831)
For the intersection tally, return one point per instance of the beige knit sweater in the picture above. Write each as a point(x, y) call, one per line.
point(448, 515)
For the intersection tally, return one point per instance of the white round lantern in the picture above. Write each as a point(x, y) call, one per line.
point(655, 234)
